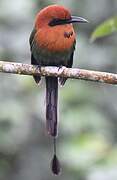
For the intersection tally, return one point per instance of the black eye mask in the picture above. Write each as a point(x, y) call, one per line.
point(73, 19)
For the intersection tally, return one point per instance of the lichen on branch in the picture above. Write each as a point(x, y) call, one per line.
point(75, 73)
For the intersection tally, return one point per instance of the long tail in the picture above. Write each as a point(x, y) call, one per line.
point(51, 105)
point(51, 117)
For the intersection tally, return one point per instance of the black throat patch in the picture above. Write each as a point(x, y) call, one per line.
point(68, 34)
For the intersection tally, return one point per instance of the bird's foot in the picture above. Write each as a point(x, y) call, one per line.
point(62, 80)
point(38, 78)
point(61, 68)
point(38, 67)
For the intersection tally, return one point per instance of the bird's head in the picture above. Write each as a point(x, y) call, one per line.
point(54, 28)
point(54, 15)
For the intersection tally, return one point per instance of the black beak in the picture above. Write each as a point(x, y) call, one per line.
point(73, 19)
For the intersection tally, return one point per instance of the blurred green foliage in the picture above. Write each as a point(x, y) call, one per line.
point(106, 28)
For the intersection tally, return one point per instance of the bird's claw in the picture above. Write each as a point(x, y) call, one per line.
point(61, 68)
point(38, 67)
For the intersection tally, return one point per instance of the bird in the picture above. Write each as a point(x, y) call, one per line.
point(52, 43)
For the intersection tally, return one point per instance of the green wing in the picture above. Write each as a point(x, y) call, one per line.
point(33, 60)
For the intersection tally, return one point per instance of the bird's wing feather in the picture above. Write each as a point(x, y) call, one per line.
point(33, 60)
point(62, 80)
point(31, 39)
point(70, 62)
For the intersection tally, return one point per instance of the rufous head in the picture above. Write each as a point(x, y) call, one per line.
point(54, 28)
point(54, 15)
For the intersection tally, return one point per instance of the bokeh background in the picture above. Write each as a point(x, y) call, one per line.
point(87, 142)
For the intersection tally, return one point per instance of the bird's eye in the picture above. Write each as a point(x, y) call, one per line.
point(57, 21)
point(54, 22)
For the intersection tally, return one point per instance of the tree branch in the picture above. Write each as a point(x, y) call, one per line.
point(75, 73)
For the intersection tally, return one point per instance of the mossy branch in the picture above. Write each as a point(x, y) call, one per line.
point(75, 73)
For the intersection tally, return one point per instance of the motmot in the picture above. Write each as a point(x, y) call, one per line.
point(52, 43)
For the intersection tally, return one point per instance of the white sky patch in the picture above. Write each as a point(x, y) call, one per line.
point(15, 8)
